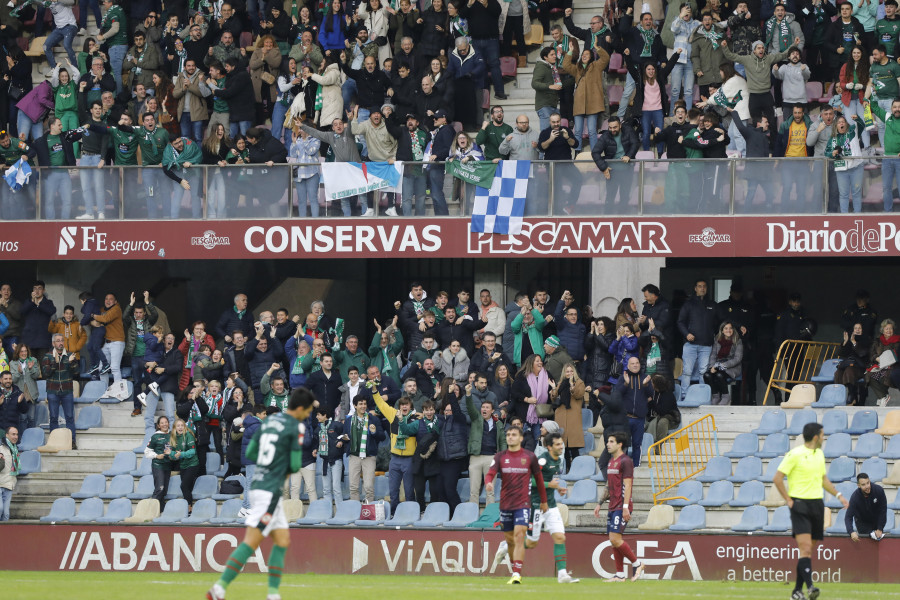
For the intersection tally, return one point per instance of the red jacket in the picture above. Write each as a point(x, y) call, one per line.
point(186, 372)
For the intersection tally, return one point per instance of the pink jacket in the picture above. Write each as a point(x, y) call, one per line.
point(37, 103)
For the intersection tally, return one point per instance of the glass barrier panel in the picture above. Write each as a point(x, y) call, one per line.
point(581, 189)
point(782, 186)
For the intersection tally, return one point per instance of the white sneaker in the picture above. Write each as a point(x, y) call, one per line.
point(565, 577)
point(82, 31)
point(84, 217)
point(370, 212)
point(244, 513)
point(884, 401)
point(142, 398)
point(391, 212)
point(101, 216)
point(502, 551)
point(154, 387)
point(273, 597)
point(216, 592)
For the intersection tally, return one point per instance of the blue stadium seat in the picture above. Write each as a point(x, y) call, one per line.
point(588, 444)
point(745, 444)
point(698, 394)
point(832, 395)
point(863, 421)
point(465, 513)
point(213, 462)
point(238, 478)
point(205, 487)
point(318, 512)
point(718, 467)
point(837, 444)
point(781, 520)
point(498, 484)
point(775, 444)
point(204, 510)
point(228, 513)
point(123, 463)
point(747, 469)
point(598, 476)
point(826, 371)
point(347, 512)
point(893, 448)
point(583, 492)
point(868, 444)
point(140, 449)
point(29, 462)
point(690, 489)
point(375, 522)
point(718, 494)
point(144, 489)
point(583, 467)
point(875, 468)
point(890, 523)
point(436, 513)
point(89, 417)
point(42, 415)
point(42, 389)
point(838, 527)
point(753, 518)
point(463, 488)
point(773, 421)
point(801, 418)
point(382, 487)
point(690, 518)
point(33, 438)
point(173, 513)
point(119, 487)
point(587, 419)
point(91, 392)
point(846, 488)
point(834, 421)
point(750, 493)
point(92, 486)
point(63, 509)
point(145, 467)
point(771, 469)
point(841, 469)
point(407, 514)
point(174, 490)
point(90, 510)
point(646, 442)
point(895, 503)
point(117, 511)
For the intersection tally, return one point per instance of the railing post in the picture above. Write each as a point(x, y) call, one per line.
point(733, 169)
point(37, 194)
point(551, 170)
point(121, 193)
point(641, 187)
point(825, 185)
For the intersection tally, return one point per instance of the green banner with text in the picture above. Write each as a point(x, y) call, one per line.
point(477, 172)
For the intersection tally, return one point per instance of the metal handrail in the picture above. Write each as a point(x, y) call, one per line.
point(798, 361)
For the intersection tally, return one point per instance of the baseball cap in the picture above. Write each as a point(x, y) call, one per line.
point(440, 114)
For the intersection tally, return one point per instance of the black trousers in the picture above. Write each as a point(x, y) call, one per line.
point(513, 29)
point(433, 481)
point(188, 477)
point(451, 470)
point(160, 486)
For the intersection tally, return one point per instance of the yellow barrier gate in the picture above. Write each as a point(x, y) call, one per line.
point(681, 455)
point(798, 361)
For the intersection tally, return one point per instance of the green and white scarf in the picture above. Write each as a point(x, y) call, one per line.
point(318, 104)
point(712, 35)
point(323, 438)
point(784, 33)
point(649, 35)
point(400, 443)
point(14, 450)
point(360, 430)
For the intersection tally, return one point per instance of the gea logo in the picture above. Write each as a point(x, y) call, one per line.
point(88, 239)
point(654, 559)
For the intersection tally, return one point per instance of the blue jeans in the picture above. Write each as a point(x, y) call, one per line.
point(332, 488)
point(66, 35)
point(857, 109)
point(308, 193)
point(254, 9)
point(151, 178)
point(626, 96)
point(215, 196)
point(57, 181)
point(413, 185)
point(682, 78)
point(490, 52)
point(92, 184)
point(191, 129)
point(544, 113)
point(580, 122)
point(116, 60)
point(67, 400)
point(26, 421)
point(361, 117)
point(740, 70)
point(83, 7)
point(737, 140)
point(279, 111)
point(248, 477)
point(850, 181)
point(113, 352)
point(241, 127)
point(25, 125)
point(436, 185)
point(5, 498)
point(886, 106)
point(400, 471)
point(693, 358)
point(637, 438)
point(347, 92)
point(890, 169)
point(150, 412)
point(649, 120)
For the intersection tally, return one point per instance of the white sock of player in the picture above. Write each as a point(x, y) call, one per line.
point(503, 549)
point(620, 574)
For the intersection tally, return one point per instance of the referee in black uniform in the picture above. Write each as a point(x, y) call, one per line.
point(805, 467)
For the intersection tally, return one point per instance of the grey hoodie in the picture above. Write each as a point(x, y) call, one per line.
point(759, 70)
point(520, 147)
point(817, 139)
point(793, 90)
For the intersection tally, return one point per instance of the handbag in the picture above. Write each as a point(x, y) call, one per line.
point(372, 512)
point(267, 77)
point(15, 92)
point(616, 369)
point(544, 411)
point(165, 117)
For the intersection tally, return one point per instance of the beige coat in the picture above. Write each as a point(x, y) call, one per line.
point(190, 99)
point(589, 97)
point(526, 20)
point(7, 479)
point(332, 102)
point(570, 418)
point(258, 61)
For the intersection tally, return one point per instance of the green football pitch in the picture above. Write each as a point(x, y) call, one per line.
point(28, 585)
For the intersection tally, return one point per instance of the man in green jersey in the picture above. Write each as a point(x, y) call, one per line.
point(805, 467)
point(884, 79)
point(276, 450)
point(123, 143)
point(56, 149)
point(887, 29)
point(551, 465)
point(114, 31)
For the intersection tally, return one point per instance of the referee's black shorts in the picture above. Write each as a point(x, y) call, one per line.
point(808, 516)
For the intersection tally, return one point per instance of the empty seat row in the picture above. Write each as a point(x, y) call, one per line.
point(834, 421)
point(122, 486)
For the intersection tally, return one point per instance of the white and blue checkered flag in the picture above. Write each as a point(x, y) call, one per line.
point(502, 208)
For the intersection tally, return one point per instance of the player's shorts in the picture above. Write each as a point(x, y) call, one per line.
point(510, 519)
point(808, 516)
point(550, 521)
point(266, 512)
point(614, 522)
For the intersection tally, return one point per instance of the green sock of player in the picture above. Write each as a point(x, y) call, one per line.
point(234, 564)
point(276, 568)
point(559, 555)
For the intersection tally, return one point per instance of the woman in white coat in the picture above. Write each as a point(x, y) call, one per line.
point(330, 83)
point(377, 20)
point(733, 94)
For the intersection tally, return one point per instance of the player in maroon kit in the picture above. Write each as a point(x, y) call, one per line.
point(516, 466)
point(619, 475)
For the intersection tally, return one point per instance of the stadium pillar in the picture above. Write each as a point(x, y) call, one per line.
point(489, 275)
point(66, 279)
point(615, 278)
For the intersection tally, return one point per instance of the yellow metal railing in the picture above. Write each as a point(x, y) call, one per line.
point(798, 361)
point(681, 455)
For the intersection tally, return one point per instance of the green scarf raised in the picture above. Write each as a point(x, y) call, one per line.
point(359, 431)
point(323, 438)
point(649, 35)
point(14, 450)
point(400, 443)
point(784, 33)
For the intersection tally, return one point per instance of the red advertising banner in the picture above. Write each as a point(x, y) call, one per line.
point(440, 552)
point(832, 235)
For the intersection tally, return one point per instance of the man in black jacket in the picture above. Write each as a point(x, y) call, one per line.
point(678, 177)
point(268, 151)
point(411, 142)
point(56, 149)
point(658, 309)
point(490, 356)
point(428, 101)
point(868, 508)
point(758, 174)
point(644, 44)
point(697, 324)
point(793, 324)
point(236, 318)
point(238, 93)
point(372, 85)
point(459, 328)
point(441, 141)
point(598, 34)
point(168, 371)
point(619, 174)
point(712, 141)
point(483, 16)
